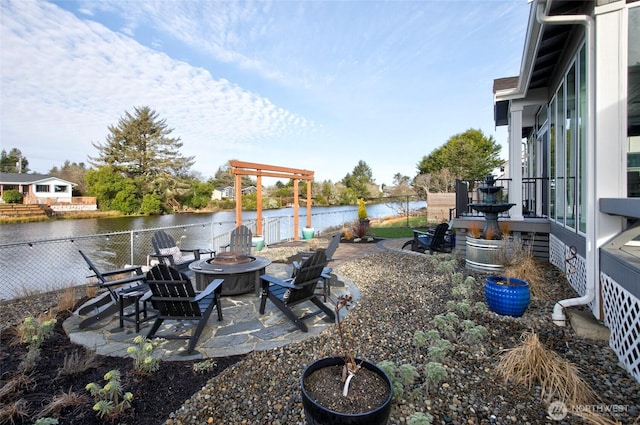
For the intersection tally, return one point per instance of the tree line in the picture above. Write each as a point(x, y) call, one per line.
point(139, 169)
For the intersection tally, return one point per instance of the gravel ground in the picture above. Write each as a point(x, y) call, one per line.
point(402, 294)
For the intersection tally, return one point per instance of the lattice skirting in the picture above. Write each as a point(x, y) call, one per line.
point(622, 316)
point(573, 265)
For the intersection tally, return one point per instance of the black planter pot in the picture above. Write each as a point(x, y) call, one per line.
point(319, 415)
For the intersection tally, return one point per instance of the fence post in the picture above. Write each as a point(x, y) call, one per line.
point(131, 253)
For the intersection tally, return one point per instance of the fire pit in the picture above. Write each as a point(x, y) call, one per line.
point(241, 272)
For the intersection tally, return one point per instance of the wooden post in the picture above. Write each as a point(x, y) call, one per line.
point(296, 232)
point(238, 195)
point(309, 203)
point(259, 206)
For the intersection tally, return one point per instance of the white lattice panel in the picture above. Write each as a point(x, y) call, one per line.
point(573, 265)
point(622, 316)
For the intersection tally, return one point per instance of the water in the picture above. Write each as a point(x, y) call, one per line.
point(322, 218)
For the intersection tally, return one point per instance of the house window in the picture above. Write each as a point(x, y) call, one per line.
point(582, 141)
point(633, 104)
point(571, 134)
point(60, 188)
point(560, 150)
point(42, 188)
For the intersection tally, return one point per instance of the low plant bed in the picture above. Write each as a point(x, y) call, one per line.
point(155, 395)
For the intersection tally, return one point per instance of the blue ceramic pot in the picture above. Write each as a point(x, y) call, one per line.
point(510, 299)
point(308, 233)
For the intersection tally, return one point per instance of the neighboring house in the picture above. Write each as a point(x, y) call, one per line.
point(229, 193)
point(47, 190)
point(573, 116)
point(37, 188)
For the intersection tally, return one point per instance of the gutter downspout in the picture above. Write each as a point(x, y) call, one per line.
point(558, 315)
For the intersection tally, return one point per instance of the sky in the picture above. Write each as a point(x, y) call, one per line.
point(315, 85)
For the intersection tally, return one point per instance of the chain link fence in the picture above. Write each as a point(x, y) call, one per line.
point(53, 264)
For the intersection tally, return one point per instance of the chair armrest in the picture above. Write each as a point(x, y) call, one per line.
point(163, 256)
point(137, 269)
point(129, 279)
point(285, 283)
point(211, 287)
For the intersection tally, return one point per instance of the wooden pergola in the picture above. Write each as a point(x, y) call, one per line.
point(241, 168)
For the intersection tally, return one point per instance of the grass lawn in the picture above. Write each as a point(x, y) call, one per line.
point(398, 228)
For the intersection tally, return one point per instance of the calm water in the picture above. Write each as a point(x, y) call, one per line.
point(322, 218)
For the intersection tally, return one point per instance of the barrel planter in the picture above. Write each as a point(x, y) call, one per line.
point(507, 297)
point(316, 414)
point(480, 254)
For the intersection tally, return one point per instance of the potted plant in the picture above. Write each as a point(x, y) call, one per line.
point(506, 294)
point(308, 233)
point(345, 389)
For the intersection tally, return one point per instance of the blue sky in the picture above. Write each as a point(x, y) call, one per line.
point(318, 85)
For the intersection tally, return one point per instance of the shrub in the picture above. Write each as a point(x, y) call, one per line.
point(143, 361)
point(12, 197)
point(362, 209)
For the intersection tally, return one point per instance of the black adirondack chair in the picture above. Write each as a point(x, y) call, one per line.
point(286, 293)
point(168, 252)
point(325, 291)
point(118, 283)
point(174, 298)
point(432, 241)
point(240, 240)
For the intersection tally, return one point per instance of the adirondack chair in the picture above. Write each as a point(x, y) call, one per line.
point(432, 241)
point(240, 240)
point(326, 273)
point(120, 284)
point(174, 298)
point(286, 293)
point(168, 252)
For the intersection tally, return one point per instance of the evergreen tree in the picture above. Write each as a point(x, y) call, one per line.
point(140, 148)
point(13, 162)
point(360, 181)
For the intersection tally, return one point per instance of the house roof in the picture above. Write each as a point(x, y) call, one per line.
point(24, 178)
point(543, 49)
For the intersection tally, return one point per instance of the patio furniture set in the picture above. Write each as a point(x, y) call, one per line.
point(166, 291)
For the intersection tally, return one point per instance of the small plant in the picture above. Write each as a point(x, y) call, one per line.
point(475, 229)
point(15, 385)
point(143, 361)
point(110, 400)
point(350, 367)
point(66, 299)
point(46, 421)
point(475, 334)
point(419, 339)
point(204, 366)
point(34, 332)
point(420, 418)
point(439, 350)
point(401, 376)
point(434, 372)
point(14, 412)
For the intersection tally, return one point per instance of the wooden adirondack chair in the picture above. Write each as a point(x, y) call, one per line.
point(286, 293)
point(432, 241)
point(168, 252)
point(326, 273)
point(240, 240)
point(174, 298)
point(118, 283)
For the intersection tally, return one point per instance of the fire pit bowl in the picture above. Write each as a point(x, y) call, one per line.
point(241, 272)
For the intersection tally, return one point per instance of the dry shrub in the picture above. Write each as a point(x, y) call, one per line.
point(348, 234)
point(15, 385)
point(66, 299)
point(16, 411)
point(62, 401)
point(532, 364)
point(46, 316)
point(505, 227)
point(77, 362)
point(530, 269)
point(91, 291)
point(475, 229)
point(490, 234)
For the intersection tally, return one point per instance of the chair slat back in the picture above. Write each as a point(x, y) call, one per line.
point(173, 293)
point(332, 247)
point(101, 279)
point(438, 236)
point(240, 240)
point(307, 277)
point(162, 239)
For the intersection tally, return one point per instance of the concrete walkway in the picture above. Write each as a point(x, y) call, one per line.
point(243, 329)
